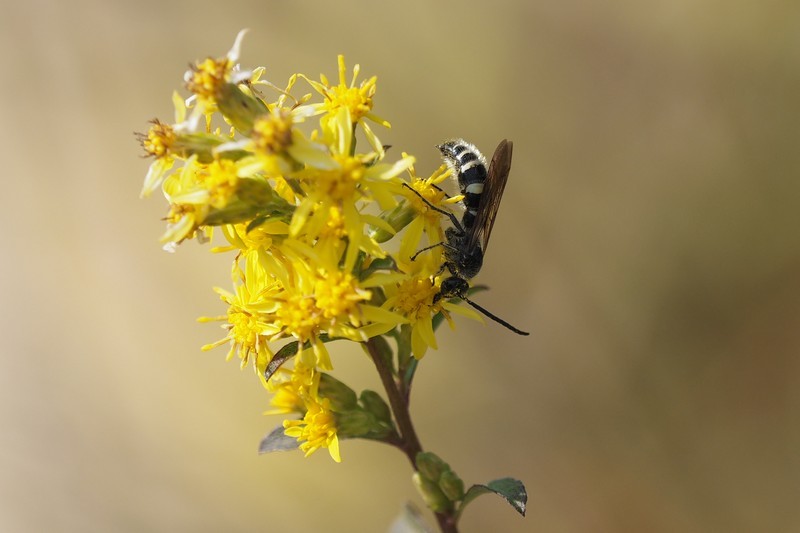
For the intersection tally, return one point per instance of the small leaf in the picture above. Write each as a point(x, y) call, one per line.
point(256, 222)
point(375, 404)
point(289, 351)
point(342, 397)
point(510, 489)
point(387, 263)
point(277, 441)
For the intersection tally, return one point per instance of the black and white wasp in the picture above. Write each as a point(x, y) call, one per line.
point(466, 240)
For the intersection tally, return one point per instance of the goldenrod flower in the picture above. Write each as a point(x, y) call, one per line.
point(159, 142)
point(159, 139)
point(209, 78)
point(248, 325)
point(312, 221)
point(297, 391)
point(357, 100)
point(316, 430)
point(427, 220)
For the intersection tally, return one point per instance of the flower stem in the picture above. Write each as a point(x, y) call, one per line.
point(409, 442)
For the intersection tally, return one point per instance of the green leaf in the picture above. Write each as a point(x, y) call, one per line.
point(387, 263)
point(375, 404)
point(256, 222)
point(342, 397)
point(510, 489)
point(277, 441)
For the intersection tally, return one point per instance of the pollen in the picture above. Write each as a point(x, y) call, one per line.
point(337, 295)
point(158, 140)
point(415, 297)
point(358, 100)
point(334, 228)
point(433, 195)
point(272, 133)
point(207, 79)
point(299, 316)
point(316, 430)
point(244, 328)
point(341, 184)
point(220, 180)
point(178, 212)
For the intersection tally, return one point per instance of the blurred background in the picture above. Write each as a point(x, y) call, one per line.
point(648, 239)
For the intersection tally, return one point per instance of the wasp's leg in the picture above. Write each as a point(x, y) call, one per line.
point(448, 214)
point(414, 257)
point(442, 244)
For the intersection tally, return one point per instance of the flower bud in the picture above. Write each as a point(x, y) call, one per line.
point(398, 218)
point(240, 108)
point(201, 145)
point(431, 493)
point(253, 197)
point(452, 486)
point(431, 466)
point(355, 423)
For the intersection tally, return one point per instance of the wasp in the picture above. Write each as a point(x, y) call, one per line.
point(465, 242)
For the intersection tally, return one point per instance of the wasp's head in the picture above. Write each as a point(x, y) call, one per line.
point(453, 286)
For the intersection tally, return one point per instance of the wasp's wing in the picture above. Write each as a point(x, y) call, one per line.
point(492, 193)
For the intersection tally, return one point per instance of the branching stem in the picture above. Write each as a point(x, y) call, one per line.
point(409, 442)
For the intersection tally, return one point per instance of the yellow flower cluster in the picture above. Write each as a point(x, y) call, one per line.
point(309, 218)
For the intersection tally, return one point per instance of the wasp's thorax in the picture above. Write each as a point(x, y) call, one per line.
point(461, 261)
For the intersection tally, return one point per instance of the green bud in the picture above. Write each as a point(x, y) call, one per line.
point(452, 486)
point(253, 197)
point(376, 405)
point(398, 218)
point(258, 192)
point(342, 397)
point(355, 423)
point(240, 108)
point(236, 211)
point(200, 144)
point(431, 466)
point(431, 493)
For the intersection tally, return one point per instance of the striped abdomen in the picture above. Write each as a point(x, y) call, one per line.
point(469, 165)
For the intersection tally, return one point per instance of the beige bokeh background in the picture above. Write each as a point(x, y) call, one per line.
point(648, 238)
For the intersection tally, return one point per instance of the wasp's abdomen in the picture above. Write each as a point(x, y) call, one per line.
point(469, 165)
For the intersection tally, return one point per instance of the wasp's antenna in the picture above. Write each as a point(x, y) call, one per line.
point(494, 317)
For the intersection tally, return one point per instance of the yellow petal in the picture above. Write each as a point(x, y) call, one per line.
point(418, 346)
point(463, 311)
point(372, 313)
point(333, 449)
point(425, 328)
point(323, 357)
point(375, 329)
point(382, 279)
